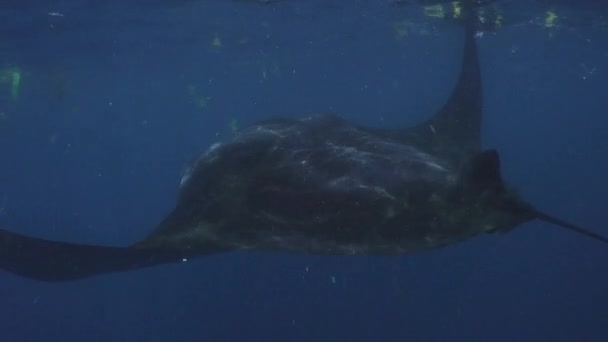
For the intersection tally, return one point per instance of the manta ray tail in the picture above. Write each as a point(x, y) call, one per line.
point(482, 172)
point(567, 225)
point(59, 261)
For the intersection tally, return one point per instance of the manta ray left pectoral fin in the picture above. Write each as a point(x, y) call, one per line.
point(49, 260)
point(454, 132)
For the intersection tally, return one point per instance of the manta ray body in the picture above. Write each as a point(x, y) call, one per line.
point(319, 184)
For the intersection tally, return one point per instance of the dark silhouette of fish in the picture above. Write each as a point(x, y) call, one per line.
point(319, 184)
point(472, 4)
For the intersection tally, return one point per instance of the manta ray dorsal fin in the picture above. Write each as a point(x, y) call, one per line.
point(482, 172)
point(454, 132)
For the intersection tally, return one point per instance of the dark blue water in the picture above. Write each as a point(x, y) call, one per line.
point(115, 100)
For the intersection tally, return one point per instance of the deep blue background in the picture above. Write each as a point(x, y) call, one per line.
point(107, 119)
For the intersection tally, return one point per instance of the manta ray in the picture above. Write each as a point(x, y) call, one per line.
point(319, 184)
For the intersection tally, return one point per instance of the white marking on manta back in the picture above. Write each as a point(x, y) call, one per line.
point(212, 148)
point(190, 169)
point(185, 177)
